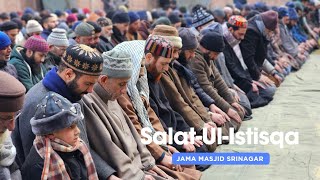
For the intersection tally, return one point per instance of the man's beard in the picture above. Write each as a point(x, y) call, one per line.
point(34, 66)
point(182, 59)
point(206, 56)
point(72, 87)
point(153, 71)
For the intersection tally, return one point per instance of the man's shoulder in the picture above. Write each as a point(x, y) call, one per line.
point(88, 100)
point(198, 60)
point(36, 93)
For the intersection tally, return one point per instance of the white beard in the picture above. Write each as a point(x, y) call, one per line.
point(7, 150)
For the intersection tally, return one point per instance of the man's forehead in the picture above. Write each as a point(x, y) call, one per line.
point(123, 80)
point(88, 78)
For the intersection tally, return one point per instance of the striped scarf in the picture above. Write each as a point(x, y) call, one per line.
point(138, 86)
point(54, 167)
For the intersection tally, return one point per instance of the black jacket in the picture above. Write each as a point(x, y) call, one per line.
point(240, 76)
point(74, 163)
point(160, 104)
point(117, 37)
point(254, 48)
point(104, 45)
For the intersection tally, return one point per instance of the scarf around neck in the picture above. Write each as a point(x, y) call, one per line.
point(54, 167)
point(232, 41)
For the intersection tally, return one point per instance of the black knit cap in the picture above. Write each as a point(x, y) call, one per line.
point(6, 26)
point(83, 59)
point(201, 17)
point(120, 17)
point(212, 41)
point(174, 18)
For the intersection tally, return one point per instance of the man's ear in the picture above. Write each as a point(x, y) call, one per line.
point(103, 79)
point(29, 53)
point(69, 74)
point(148, 58)
point(77, 39)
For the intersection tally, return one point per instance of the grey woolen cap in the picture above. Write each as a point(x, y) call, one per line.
point(117, 64)
point(189, 40)
point(58, 37)
point(84, 29)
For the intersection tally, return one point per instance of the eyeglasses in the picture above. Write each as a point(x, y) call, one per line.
point(61, 49)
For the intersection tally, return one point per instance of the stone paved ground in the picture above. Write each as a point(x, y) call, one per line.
point(295, 108)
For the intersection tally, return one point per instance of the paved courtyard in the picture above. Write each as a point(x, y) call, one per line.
point(295, 108)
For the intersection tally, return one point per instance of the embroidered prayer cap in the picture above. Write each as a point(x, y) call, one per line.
point(159, 46)
point(170, 33)
point(83, 59)
point(238, 21)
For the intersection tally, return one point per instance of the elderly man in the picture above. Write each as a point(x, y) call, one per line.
point(105, 37)
point(84, 34)
point(75, 76)
point(12, 94)
point(119, 143)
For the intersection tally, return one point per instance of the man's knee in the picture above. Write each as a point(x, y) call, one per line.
point(268, 92)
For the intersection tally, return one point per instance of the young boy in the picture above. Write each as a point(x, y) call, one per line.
point(58, 152)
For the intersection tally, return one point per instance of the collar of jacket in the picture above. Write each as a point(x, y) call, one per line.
point(102, 93)
point(55, 58)
point(256, 24)
point(104, 39)
point(117, 34)
point(53, 82)
point(47, 31)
